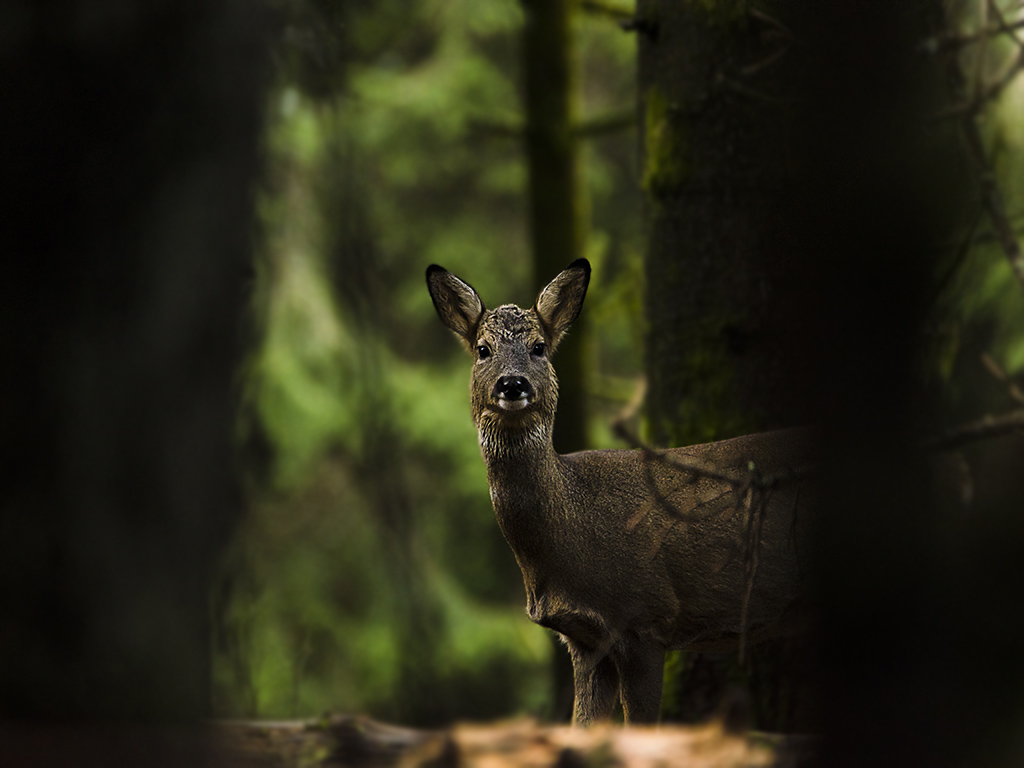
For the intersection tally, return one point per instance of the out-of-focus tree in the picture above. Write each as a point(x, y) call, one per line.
point(372, 576)
point(130, 139)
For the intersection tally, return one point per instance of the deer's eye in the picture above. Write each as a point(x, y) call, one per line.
point(483, 352)
point(538, 349)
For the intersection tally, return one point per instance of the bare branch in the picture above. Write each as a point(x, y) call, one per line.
point(692, 466)
point(953, 40)
point(958, 259)
point(772, 22)
point(767, 61)
point(1001, 376)
point(977, 84)
point(986, 93)
point(992, 198)
point(757, 506)
point(751, 477)
point(1004, 26)
point(604, 8)
point(751, 93)
point(752, 491)
point(986, 427)
point(601, 125)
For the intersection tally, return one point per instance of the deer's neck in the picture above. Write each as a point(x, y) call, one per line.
point(528, 484)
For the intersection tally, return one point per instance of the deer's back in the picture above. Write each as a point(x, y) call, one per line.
point(672, 545)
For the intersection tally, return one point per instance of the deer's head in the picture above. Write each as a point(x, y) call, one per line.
point(514, 390)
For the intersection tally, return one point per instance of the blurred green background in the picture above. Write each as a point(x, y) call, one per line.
point(369, 575)
point(370, 570)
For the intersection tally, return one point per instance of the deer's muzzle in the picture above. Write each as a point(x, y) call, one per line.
point(513, 392)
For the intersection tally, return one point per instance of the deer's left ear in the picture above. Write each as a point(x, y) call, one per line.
point(559, 304)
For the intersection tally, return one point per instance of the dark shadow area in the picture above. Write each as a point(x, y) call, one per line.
point(129, 135)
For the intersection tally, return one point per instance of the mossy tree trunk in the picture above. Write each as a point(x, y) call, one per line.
point(714, 114)
point(715, 82)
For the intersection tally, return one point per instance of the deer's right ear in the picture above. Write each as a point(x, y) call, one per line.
point(457, 304)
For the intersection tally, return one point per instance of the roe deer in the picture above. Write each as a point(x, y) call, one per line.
point(625, 553)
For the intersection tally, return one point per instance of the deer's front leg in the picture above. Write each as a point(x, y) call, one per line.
point(596, 683)
point(641, 670)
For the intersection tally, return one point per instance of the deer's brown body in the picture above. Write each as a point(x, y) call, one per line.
point(625, 553)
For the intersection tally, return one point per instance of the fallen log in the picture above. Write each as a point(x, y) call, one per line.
point(359, 742)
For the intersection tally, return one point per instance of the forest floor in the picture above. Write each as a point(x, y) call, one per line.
point(357, 742)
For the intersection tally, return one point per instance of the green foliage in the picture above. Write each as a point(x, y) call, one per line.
point(371, 575)
point(981, 309)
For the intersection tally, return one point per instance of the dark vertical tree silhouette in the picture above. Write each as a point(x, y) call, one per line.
point(717, 84)
point(915, 653)
point(557, 212)
point(130, 142)
point(917, 661)
point(556, 197)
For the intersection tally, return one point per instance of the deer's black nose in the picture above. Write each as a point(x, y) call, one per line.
point(512, 388)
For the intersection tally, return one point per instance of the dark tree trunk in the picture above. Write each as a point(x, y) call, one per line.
point(130, 134)
point(557, 208)
point(831, 269)
point(716, 86)
point(713, 96)
point(557, 199)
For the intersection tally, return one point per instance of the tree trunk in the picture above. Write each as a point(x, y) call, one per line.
point(557, 209)
point(557, 199)
point(713, 151)
point(715, 83)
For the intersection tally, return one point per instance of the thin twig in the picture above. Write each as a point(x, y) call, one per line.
point(986, 427)
point(977, 84)
point(751, 93)
point(771, 21)
point(693, 466)
point(1004, 25)
point(958, 260)
point(985, 93)
point(992, 198)
point(601, 125)
point(752, 491)
point(755, 525)
point(757, 66)
point(1001, 376)
point(600, 8)
point(954, 40)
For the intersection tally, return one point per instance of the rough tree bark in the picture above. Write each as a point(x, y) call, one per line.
point(130, 137)
point(716, 83)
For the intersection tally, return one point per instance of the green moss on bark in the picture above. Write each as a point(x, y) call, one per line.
point(667, 166)
point(706, 413)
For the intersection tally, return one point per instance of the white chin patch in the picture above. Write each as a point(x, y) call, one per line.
point(513, 405)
